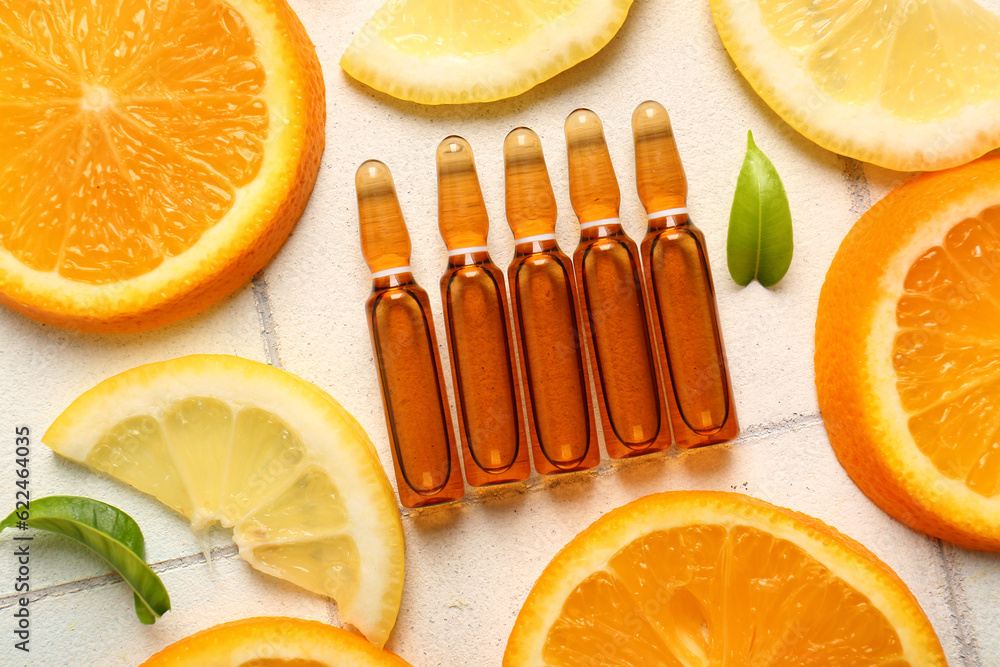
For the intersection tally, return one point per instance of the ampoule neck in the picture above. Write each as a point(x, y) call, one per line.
point(540, 243)
point(401, 279)
point(462, 216)
point(385, 242)
point(468, 257)
point(668, 218)
point(600, 229)
point(659, 174)
point(531, 204)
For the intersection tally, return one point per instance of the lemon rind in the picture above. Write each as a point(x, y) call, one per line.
point(875, 135)
point(316, 418)
point(450, 79)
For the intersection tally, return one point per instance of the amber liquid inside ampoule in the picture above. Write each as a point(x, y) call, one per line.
point(552, 359)
point(412, 391)
point(547, 322)
point(608, 273)
point(681, 286)
point(402, 334)
point(607, 268)
point(474, 294)
point(679, 283)
point(479, 339)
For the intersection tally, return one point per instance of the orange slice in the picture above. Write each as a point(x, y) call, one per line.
point(906, 354)
point(156, 154)
point(273, 642)
point(699, 579)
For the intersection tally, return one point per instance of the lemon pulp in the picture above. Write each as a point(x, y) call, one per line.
point(463, 51)
point(224, 439)
point(918, 59)
point(244, 468)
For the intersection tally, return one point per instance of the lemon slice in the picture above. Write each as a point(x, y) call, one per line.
point(905, 84)
point(458, 51)
point(220, 438)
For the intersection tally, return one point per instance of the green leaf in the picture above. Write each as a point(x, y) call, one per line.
point(760, 223)
point(111, 534)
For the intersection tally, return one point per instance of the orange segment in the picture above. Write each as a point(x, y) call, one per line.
point(693, 579)
point(906, 354)
point(688, 588)
point(139, 166)
point(945, 353)
point(136, 127)
point(274, 642)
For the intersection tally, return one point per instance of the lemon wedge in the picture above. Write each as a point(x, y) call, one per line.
point(459, 51)
point(904, 84)
point(224, 439)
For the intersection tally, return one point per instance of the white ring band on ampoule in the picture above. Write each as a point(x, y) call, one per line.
point(392, 272)
point(535, 238)
point(597, 223)
point(467, 251)
point(667, 211)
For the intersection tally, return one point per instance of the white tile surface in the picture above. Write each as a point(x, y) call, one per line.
point(470, 566)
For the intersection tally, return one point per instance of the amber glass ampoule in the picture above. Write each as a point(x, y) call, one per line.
point(409, 367)
point(546, 319)
point(633, 413)
point(474, 294)
point(679, 283)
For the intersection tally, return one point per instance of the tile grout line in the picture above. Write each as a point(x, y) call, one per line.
point(760, 431)
point(958, 605)
point(90, 583)
point(268, 334)
point(752, 433)
point(857, 185)
point(610, 466)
